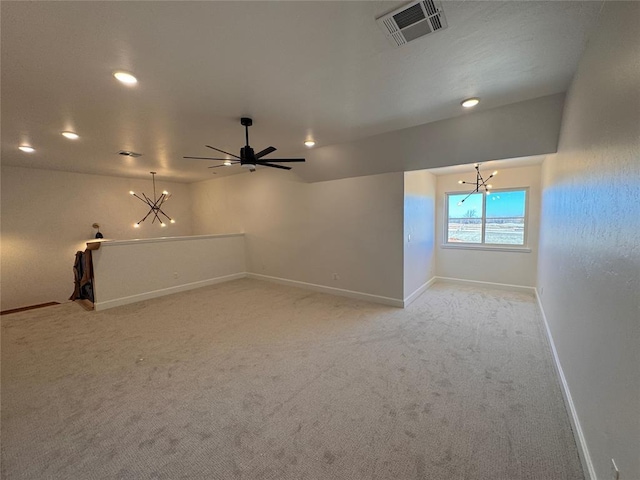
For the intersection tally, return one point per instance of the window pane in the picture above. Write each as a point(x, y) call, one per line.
point(465, 220)
point(505, 218)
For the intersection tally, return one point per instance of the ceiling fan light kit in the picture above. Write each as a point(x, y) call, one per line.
point(248, 158)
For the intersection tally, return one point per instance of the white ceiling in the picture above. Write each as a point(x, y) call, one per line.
point(490, 165)
point(300, 69)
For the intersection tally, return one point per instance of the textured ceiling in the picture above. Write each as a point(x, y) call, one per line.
point(300, 69)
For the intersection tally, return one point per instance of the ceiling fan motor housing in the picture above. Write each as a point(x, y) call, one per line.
point(247, 155)
point(248, 158)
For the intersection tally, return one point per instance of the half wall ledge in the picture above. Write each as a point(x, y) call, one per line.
point(128, 271)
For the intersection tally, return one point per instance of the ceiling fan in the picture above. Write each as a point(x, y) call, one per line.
point(248, 158)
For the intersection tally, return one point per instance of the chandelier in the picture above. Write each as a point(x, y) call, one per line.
point(480, 183)
point(155, 204)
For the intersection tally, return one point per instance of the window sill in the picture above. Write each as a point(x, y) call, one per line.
point(495, 248)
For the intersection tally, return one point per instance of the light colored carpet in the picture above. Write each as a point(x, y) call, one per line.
point(251, 380)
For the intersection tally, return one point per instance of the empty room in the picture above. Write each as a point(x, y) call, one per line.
point(320, 240)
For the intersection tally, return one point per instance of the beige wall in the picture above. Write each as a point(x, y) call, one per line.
point(308, 232)
point(47, 217)
point(513, 267)
point(589, 262)
point(419, 229)
point(518, 130)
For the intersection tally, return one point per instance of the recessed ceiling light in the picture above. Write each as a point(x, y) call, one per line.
point(27, 148)
point(126, 78)
point(470, 102)
point(70, 135)
point(309, 143)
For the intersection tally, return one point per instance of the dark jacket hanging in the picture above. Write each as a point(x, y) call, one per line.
point(83, 276)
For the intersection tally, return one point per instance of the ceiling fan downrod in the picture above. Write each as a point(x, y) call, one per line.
point(247, 122)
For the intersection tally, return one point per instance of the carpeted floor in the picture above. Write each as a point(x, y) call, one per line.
point(252, 380)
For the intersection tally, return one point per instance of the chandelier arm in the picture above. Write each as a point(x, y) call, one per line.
point(154, 205)
point(160, 210)
point(139, 198)
point(147, 199)
point(462, 201)
point(484, 182)
point(160, 200)
point(145, 217)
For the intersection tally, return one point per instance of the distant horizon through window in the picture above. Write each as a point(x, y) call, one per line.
point(498, 218)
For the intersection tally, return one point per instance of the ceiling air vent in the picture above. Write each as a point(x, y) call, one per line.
point(412, 21)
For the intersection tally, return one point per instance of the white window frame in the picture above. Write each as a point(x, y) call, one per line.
point(488, 246)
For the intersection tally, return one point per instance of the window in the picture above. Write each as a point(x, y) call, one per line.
point(498, 218)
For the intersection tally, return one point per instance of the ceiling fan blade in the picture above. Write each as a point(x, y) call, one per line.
point(266, 151)
point(265, 164)
point(207, 158)
point(218, 150)
point(218, 166)
point(283, 160)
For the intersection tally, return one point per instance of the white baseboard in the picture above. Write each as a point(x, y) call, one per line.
point(394, 302)
point(583, 450)
point(166, 291)
point(419, 291)
point(501, 286)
